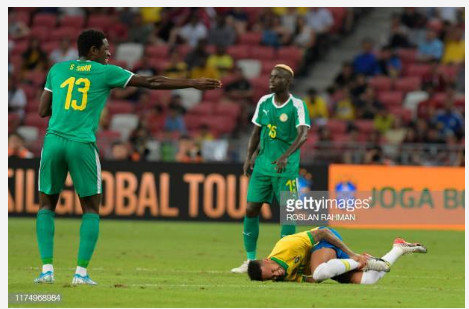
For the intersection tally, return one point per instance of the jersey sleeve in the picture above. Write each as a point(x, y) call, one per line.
point(48, 85)
point(117, 77)
point(302, 114)
point(257, 118)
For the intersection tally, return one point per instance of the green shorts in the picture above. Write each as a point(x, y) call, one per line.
point(262, 188)
point(60, 156)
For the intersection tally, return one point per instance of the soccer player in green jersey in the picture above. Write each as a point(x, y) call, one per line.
point(74, 97)
point(281, 125)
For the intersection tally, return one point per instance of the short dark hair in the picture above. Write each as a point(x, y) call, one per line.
point(254, 270)
point(88, 39)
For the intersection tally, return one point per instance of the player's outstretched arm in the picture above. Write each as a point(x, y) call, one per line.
point(327, 235)
point(165, 83)
point(300, 139)
point(45, 104)
point(253, 149)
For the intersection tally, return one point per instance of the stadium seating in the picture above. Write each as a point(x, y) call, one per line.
point(76, 22)
point(45, 20)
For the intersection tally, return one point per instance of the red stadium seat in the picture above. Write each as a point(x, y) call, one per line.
point(262, 53)
point(267, 66)
point(41, 33)
point(36, 77)
point(32, 106)
point(407, 55)
point(19, 48)
point(260, 85)
point(35, 120)
point(183, 50)
point(364, 126)
point(65, 32)
point(449, 71)
point(407, 84)
point(49, 47)
point(13, 120)
point(45, 20)
point(403, 113)
point(24, 17)
point(338, 13)
point(76, 22)
point(160, 51)
point(239, 51)
point(160, 97)
point(213, 95)
point(292, 54)
point(250, 38)
point(120, 107)
point(203, 109)
point(231, 109)
point(195, 121)
point(108, 136)
point(99, 22)
point(417, 70)
point(336, 126)
point(380, 83)
point(391, 97)
point(222, 124)
point(30, 91)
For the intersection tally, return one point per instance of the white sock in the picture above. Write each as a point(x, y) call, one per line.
point(393, 255)
point(372, 276)
point(81, 271)
point(47, 267)
point(334, 267)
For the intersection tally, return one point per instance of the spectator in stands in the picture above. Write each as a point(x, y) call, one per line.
point(344, 108)
point(192, 32)
point(154, 118)
point(461, 78)
point(34, 58)
point(320, 19)
point(383, 120)
point(17, 99)
point(304, 36)
point(449, 120)
point(366, 62)
point(203, 69)
point(240, 87)
point(198, 55)
point(64, 52)
point(412, 19)
point(239, 19)
point(431, 48)
point(367, 106)
point(17, 29)
point(203, 135)
point(396, 134)
point(346, 75)
point(359, 85)
point(120, 152)
point(434, 79)
point(222, 33)
point(351, 153)
point(374, 155)
point(273, 34)
point(176, 68)
point(389, 63)
point(145, 68)
point(454, 47)
point(139, 138)
point(188, 150)
point(16, 147)
point(221, 61)
point(317, 107)
point(72, 11)
point(399, 34)
point(139, 32)
point(433, 135)
point(289, 19)
point(449, 14)
point(174, 121)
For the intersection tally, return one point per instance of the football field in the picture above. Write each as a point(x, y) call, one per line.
point(180, 264)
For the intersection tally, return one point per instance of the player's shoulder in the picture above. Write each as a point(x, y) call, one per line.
point(265, 98)
point(297, 101)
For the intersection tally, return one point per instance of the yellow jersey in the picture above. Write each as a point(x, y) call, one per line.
point(293, 254)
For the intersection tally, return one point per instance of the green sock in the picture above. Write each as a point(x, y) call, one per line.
point(287, 230)
point(89, 232)
point(250, 235)
point(45, 235)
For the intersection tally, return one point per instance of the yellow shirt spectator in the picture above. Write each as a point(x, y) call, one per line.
point(207, 72)
point(383, 123)
point(223, 63)
point(345, 110)
point(317, 107)
point(150, 15)
point(454, 52)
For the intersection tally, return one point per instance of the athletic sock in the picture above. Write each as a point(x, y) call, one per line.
point(287, 230)
point(45, 235)
point(89, 232)
point(250, 235)
point(393, 255)
point(81, 271)
point(47, 267)
point(372, 276)
point(334, 267)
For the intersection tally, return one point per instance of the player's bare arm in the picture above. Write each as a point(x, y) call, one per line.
point(45, 104)
point(328, 236)
point(253, 148)
point(300, 139)
point(165, 83)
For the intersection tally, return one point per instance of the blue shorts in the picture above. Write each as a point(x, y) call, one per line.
point(324, 244)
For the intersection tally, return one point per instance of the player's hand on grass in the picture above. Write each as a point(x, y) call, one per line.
point(281, 164)
point(206, 84)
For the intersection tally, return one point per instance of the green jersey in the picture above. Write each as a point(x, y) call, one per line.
point(79, 92)
point(279, 130)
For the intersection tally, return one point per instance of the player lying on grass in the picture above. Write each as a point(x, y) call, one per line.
point(320, 254)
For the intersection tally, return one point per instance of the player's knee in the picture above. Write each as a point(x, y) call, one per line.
point(253, 210)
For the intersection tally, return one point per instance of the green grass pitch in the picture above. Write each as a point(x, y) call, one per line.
point(177, 264)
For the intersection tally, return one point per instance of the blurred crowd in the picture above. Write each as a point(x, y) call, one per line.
point(351, 122)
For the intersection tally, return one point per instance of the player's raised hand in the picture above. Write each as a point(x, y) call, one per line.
point(281, 164)
point(206, 83)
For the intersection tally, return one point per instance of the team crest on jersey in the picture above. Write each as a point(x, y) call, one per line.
point(283, 117)
point(297, 259)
